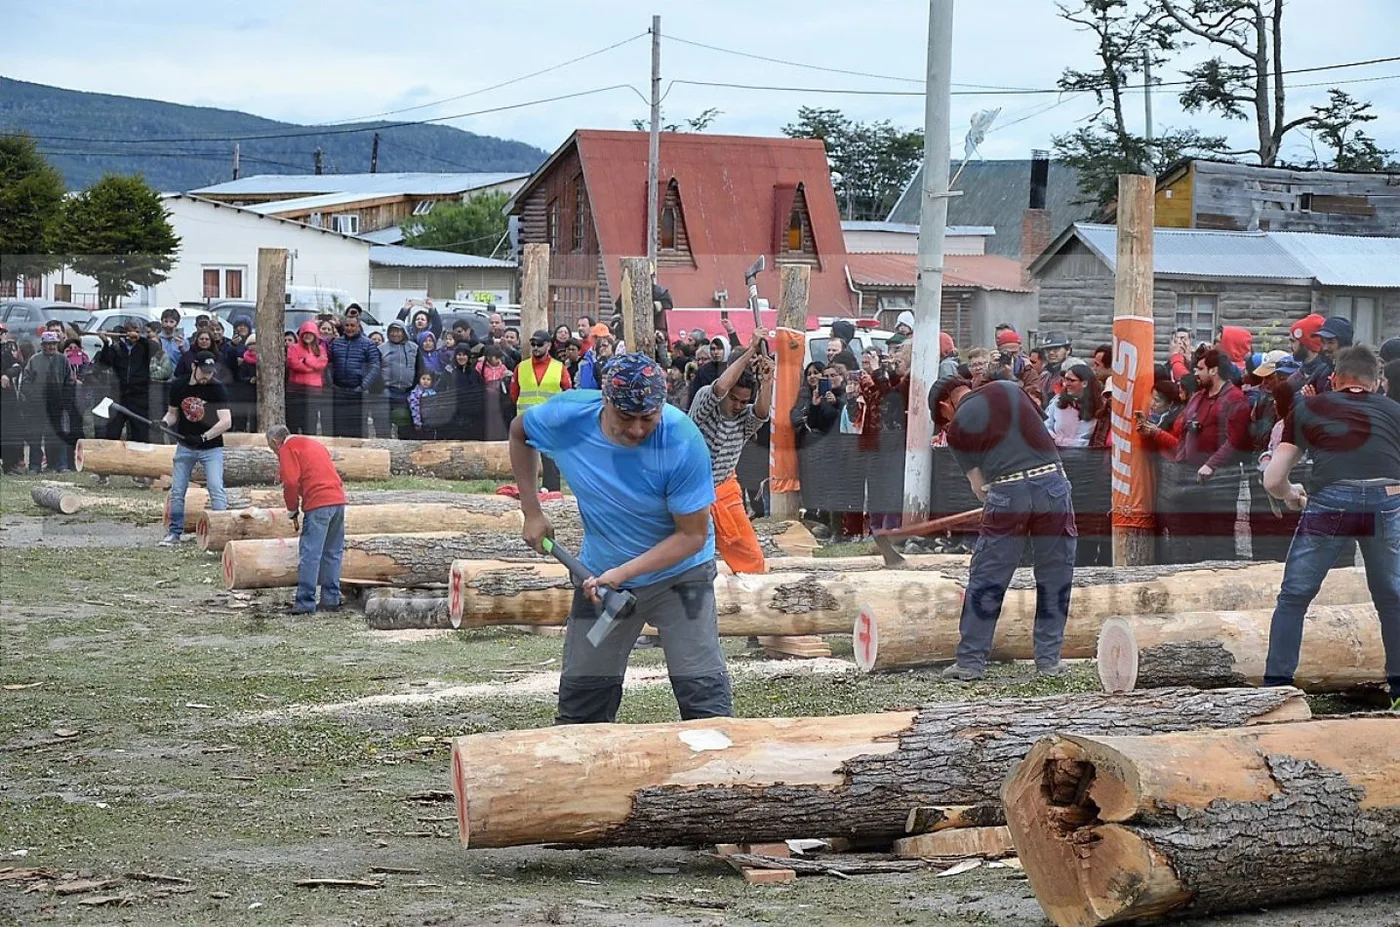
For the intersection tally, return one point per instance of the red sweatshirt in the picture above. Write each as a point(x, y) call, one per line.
point(1222, 434)
point(309, 479)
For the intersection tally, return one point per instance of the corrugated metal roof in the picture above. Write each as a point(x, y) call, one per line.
point(399, 256)
point(1204, 253)
point(304, 203)
point(413, 183)
point(972, 271)
point(907, 228)
point(1345, 260)
point(393, 235)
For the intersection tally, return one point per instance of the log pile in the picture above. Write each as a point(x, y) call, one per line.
point(444, 460)
point(1113, 829)
point(730, 780)
point(215, 529)
point(243, 466)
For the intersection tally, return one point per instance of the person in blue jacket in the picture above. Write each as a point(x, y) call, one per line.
point(354, 370)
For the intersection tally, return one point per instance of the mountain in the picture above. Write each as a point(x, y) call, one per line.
point(88, 134)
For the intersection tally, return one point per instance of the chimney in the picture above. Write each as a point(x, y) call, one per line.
point(1035, 222)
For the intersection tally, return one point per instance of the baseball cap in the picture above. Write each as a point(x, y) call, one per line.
point(1306, 331)
point(1271, 363)
point(1338, 327)
point(205, 361)
point(541, 336)
point(50, 338)
point(1055, 339)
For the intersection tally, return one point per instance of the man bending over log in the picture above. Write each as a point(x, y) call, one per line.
point(311, 484)
point(998, 437)
point(641, 473)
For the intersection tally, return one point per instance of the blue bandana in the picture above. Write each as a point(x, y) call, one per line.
point(634, 383)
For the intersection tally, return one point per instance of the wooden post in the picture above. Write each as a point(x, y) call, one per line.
point(1134, 495)
point(272, 357)
point(534, 290)
point(638, 330)
point(785, 497)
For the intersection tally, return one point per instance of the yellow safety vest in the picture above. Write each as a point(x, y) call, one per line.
point(533, 392)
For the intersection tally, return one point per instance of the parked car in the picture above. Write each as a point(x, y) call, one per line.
point(817, 339)
point(26, 318)
point(115, 320)
point(230, 309)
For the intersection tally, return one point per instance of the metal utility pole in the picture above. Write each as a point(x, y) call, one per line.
point(374, 155)
point(928, 290)
point(654, 143)
point(318, 160)
point(235, 160)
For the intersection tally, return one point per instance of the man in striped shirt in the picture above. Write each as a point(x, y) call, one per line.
point(729, 412)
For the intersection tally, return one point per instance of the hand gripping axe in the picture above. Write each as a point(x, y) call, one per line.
point(618, 604)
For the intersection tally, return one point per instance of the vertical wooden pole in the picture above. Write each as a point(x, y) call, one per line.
point(534, 290)
point(1134, 496)
point(784, 486)
point(638, 329)
point(272, 356)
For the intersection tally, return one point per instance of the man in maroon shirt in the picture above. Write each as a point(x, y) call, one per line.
point(1199, 481)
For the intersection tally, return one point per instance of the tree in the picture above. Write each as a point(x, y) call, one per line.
point(1351, 150)
point(475, 226)
point(118, 233)
point(871, 162)
point(1127, 37)
point(31, 200)
point(698, 123)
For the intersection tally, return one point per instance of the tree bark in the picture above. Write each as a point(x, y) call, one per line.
point(921, 562)
point(270, 316)
point(1114, 829)
point(59, 497)
point(729, 780)
point(1342, 649)
point(243, 466)
point(197, 500)
point(215, 529)
point(790, 538)
point(446, 460)
point(926, 631)
point(534, 289)
point(396, 609)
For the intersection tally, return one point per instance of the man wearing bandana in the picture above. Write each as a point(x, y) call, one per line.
point(641, 473)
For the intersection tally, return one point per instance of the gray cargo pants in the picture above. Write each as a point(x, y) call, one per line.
point(682, 609)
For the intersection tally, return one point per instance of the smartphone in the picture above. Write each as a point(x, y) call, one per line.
point(1139, 416)
point(824, 386)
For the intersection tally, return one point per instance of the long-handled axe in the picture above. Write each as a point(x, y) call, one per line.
point(751, 281)
point(106, 407)
point(884, 539)
point(618, 604)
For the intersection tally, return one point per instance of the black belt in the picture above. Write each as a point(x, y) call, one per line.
point(1028, 474)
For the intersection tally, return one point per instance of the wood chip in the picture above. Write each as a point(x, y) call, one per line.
point(117, 901)
point(64, 732)
point(21, 875)
point(158, 877)
point(966, 865)
point(713, 905)
point(337, 883)
point(395, 870)
point(18, 686)
point(768, 876)
point(83, 885)
point(429, 795)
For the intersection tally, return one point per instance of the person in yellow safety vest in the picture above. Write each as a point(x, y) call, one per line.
point(538, 378)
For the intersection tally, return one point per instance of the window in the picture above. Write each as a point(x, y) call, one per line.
point(794, 231)
point(552, 225)
point(424, 207)
point(667, 232)
point(211, 283)
point(580, 213)
point(1196, 314)
point(223, 281)
point(233, 283)
point(1362, 312)
point(346, 224)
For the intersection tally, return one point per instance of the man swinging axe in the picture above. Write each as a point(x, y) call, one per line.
point(641, 473)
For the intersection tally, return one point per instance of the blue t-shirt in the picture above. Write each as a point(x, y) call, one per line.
point(626, 495)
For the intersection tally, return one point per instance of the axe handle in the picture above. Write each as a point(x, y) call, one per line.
point(925, 528)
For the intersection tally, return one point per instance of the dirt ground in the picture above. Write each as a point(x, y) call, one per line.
point(152, 725)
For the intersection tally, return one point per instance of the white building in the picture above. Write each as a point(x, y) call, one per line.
point(218, 257)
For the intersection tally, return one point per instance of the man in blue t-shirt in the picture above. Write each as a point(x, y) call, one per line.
point(641, 473)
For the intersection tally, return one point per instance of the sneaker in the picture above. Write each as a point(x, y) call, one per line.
point(170, 540)
point(1058, 668)
point(329, 608)
point(956, 673)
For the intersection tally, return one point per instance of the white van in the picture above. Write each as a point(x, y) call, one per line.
point(817, 339)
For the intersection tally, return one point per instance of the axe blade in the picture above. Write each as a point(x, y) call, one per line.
point(755, 269)
point(104, 408)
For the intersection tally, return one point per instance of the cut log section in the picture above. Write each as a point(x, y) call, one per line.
point(491, 592)
point(445, 460)
point(197, 500)
point(58, 497)
point(731, 780)
point(1342, 649)
point(791, 537)
point(985, 842)
point(1113, 829)
point(215, 529)
point(396, 609)
point(933, 819)
point(243, 466)
point(799, 646)
point(922, 631)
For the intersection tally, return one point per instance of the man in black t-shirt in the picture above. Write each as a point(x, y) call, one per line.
point(1353, 434)
point(199, 412)
point(998, 437)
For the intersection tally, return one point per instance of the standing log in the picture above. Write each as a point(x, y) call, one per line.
point(447, 460)
point(1114, 829)
point(1342, 649)
point(396, 609)
point(534, 288)
point(243, 466)
point(270, 319)
point(921, 633)
point(215, 529)
point(60, 497)
point(730, 780)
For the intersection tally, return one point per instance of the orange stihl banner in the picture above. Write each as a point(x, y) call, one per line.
point(791, 351)
point(1133, 375)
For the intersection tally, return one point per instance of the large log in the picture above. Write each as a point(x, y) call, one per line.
point(445, 460)
point(730, 780)
point(801, 564)
point(215, 529)
point(397, 559)
point(1113, 829)
point(923, 632)
point(243, 466)
point(197, 500)
point(395, 609)
point(59, 497)
point(1342, 649)
point(749, 605)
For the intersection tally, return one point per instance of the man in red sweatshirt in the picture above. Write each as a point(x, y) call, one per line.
point(311, 484)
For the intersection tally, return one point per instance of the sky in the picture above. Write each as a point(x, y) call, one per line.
point(318, 63)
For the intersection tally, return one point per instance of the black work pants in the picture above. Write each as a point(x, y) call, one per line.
point(549, 473)
point(139, 402)
point(1198, 517)
point(348, 414)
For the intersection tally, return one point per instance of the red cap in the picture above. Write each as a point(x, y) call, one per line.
point(1305, 330)
point(945, 344)
point(1007, 336)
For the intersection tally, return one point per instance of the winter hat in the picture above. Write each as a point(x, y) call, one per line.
point(1305, 331)
point(1339, 327)
point(945, 344)
point(1008, 336)
point(424, 336)
point(1390, 351)
point(905, 318)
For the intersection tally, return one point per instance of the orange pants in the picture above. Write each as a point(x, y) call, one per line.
point(735, 540)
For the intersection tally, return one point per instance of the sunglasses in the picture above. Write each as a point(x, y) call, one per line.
point(537, 344)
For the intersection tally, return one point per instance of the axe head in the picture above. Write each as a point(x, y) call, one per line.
point(755, 269)
point(618, 604)
point(103, 408)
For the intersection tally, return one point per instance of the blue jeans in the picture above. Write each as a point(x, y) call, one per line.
point(1334, 515)
point(212, 459)
point(319, 552)
point(1038, 509)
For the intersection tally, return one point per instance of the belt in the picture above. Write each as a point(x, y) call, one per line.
point(1027, 474)
point(1375, 482)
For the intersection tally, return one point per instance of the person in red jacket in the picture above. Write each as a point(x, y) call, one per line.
point(1199, 481)
point(306, 379)
point(311, 484)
